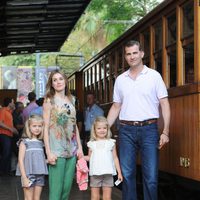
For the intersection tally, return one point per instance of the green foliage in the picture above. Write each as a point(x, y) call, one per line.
point(102, 23)
point(18, 60)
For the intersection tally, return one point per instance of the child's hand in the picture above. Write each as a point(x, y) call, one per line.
point(120, 177)
point(87, 158)
point(25, 182)
point(51, 158)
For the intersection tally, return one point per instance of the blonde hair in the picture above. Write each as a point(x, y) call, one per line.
point(27, 133)
point(93, 135)
point(50, 91)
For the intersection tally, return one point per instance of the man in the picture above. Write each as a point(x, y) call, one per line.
point(32, 105)
point(18, 123)
point(138, 108)
point(6, 133)
point(92, 111)
point(38, 110)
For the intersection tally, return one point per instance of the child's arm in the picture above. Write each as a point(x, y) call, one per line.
point(117, 165)
point(22, 149)
point(87, 158)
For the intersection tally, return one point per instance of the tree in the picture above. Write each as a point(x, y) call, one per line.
point(102, 23)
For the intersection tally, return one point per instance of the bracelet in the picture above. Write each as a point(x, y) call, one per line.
point(165, 134)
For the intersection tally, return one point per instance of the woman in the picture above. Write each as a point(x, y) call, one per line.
point(61, 136)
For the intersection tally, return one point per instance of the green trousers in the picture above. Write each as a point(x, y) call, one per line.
point(61, 178)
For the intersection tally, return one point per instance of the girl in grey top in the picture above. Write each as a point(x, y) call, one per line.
point(32, 163)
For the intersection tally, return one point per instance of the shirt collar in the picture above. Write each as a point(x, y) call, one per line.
point(144, 71)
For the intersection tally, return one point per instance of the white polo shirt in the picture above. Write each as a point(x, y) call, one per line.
point(139, 97)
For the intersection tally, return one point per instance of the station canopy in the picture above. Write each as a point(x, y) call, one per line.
point(30, 26)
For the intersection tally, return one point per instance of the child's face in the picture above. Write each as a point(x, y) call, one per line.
point(36, 128)
point(101, 130)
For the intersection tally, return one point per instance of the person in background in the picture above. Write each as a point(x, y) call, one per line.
point(38, 110)
point(32, 162)
point(91, 112)
point(6, 133)
point(79, 121)
point(18, 123)
point(32, 105)
point(61, 136)
point(138, 92)
point(103, 160)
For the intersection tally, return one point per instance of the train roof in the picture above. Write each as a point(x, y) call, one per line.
point(29, 26)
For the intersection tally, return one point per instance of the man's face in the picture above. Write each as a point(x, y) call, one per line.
point(134, 56)
point(90, 99)
point(12, 105)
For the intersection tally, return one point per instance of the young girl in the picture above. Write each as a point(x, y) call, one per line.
point(103, 160)
point(31, 160)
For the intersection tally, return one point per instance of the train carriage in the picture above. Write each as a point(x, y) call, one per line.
point(170, 36)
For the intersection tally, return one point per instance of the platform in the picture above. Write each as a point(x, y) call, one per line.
point(10, 189)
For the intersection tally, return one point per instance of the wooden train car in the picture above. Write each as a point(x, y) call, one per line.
point(170, 36)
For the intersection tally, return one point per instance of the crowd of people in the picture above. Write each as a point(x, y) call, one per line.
point(50, 134)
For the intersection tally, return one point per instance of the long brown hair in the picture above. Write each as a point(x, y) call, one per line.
point(50, 91)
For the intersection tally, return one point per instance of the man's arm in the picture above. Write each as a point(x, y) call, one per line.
point(113, 113)
point(165, 108)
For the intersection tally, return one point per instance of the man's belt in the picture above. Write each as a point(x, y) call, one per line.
point(138, 123)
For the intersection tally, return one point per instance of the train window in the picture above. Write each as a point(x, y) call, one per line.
point(158, 35)
point(97, 91)
point(171, 29)
point(102, 91)
point(92, 74)
point(107, 67)
point(107, 89)
point(146, 42)
point(102, 69)
point(189, 63)
point(97, 72)
point(89, 77)
point(119, 67)
point(85, 79)
point(188, 19)
point(172, 67)
point(113, 62)
point(158, 62)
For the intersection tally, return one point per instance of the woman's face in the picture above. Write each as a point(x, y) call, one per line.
point(58, 82)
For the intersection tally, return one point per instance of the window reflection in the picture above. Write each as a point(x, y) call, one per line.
point(189, 63)
point(188, 19)
point(172, 67)
point(171, 29)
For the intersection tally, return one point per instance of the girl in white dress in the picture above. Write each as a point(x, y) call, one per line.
point(103, 160)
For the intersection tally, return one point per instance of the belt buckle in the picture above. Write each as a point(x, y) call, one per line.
point(136, 123)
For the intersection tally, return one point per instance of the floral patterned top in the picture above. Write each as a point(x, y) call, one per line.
point(62, 129)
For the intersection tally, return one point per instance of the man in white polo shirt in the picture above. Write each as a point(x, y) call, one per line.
point(138, 92)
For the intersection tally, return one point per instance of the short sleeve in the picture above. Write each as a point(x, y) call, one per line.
point(111, 143)
point(89, 144)
point(116, 93)
point(22, 140)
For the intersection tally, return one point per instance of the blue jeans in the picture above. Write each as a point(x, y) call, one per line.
point(134, 139)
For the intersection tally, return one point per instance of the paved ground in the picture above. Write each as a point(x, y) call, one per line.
point(10, 189)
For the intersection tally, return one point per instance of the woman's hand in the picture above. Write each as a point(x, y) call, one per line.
point(79, 153)
point(51, 158)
